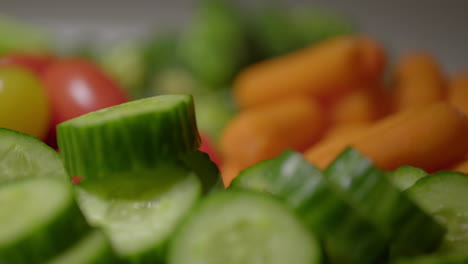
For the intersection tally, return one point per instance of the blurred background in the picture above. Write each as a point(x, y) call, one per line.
point(199, 47)
point(434, 25)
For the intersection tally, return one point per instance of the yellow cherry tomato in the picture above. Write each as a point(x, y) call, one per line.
point(23, 102)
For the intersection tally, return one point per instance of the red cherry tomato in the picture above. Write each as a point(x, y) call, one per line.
point(76, 87)
point(34, 62)
point(208, 148)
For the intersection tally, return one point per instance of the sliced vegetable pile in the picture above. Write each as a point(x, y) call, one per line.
point(148, 195)
point(324, 162)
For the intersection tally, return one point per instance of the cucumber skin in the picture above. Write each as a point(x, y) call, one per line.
point(452, 244)
point(48, 241)
point(405, 176)
point(312, 198)
point(206, 170)
point(411, 230)
point(130, 142)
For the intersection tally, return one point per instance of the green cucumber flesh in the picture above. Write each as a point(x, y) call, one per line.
point(140, 213)
point(233, 227)
point(24, 156)
point(411, 230)
point(95, 248)
point(206, 170)
point(39, 219)
point(405, 176)
point(445, 196)
point(350, 237)
point(145, 132)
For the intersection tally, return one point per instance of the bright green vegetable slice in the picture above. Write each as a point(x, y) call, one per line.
point(38, 218)
point(233, 227)
point(129, 137)
point(24, 156)
point(445, 196)
point(411, 230)
point(94, 248)
point(140, 212)
point(350, 237)
point(405, 176)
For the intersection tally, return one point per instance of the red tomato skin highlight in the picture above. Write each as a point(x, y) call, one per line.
point(75, 87)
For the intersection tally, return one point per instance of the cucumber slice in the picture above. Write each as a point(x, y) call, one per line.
point(349, 237)
point(233, 227)
point(145, 132)
point(411, 230)
point(24, 156)
point(140, 213)
point(38, 218)
point(405, 176)
point(445, 196)
point(95, 248)
point(206, 170)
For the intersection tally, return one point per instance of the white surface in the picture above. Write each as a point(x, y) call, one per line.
point(438, 26)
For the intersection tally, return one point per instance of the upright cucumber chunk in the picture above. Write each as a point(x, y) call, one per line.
point(24, 156)
point(38, 219)
point(129, 137)
point(233, 227)
point(411, 229)
point(445, 196)
point(94, 248)
point(349, 237)
point(140, 212)
point(405, 176)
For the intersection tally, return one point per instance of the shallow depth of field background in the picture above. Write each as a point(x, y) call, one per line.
point(434, 25)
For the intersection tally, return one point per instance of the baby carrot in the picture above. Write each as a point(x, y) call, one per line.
point(419, 81)
point(265, 131)
point(229, 171)
point(430, 138)
point(461, 167)
point(335, 141)
point(458, 91)
point(360, 106)
point(329, 68)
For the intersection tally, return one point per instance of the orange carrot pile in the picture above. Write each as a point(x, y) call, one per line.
point(330, 68)
point(458, 91)
point(264, 132)
point(419, 82)
point(415, 137)
point(329, 96)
